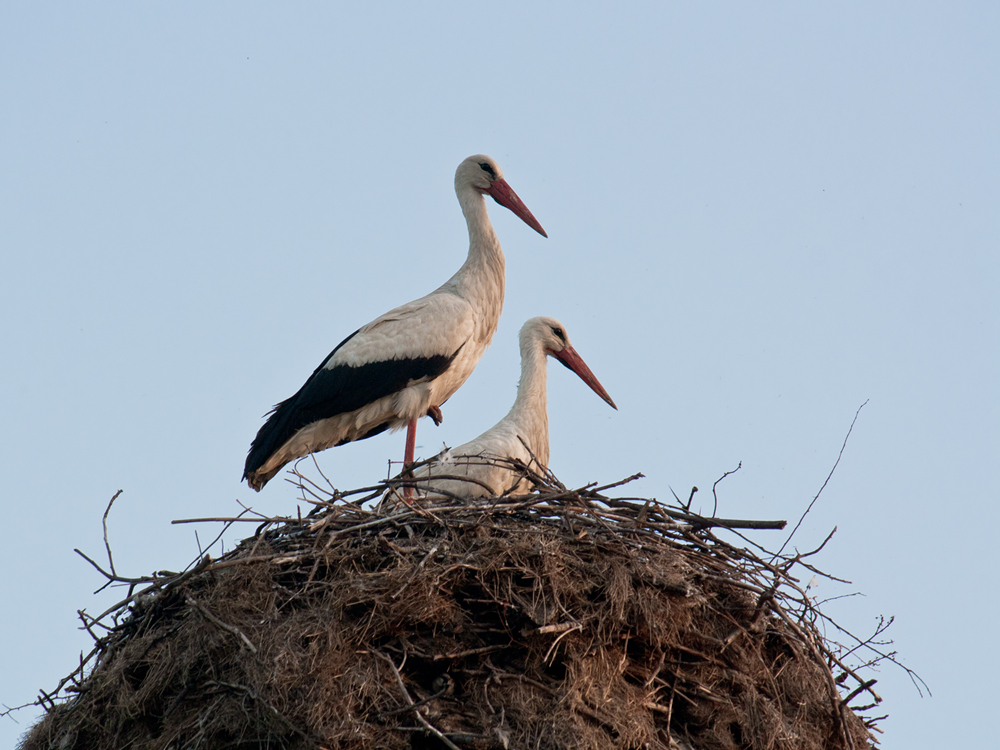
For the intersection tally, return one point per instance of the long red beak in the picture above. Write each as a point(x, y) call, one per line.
point(573, 361)
point(504, 195)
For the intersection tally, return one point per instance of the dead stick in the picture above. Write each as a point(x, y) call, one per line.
point(470, 652)
point(619, 483)
point(105, 524)
point(420, 717)
point(859, 689)
point(835, 465)
point(231, 628)
point(417, 569)
point(715, 497)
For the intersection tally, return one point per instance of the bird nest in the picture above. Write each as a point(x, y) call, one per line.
point(560, 619)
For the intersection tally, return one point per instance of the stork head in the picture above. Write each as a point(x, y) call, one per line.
point(484, 175)
point(551, 336)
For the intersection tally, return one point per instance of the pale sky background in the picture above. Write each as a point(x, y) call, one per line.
point(760, 216)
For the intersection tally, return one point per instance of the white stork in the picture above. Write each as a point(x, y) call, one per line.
point(522, 435)
point(406, 363)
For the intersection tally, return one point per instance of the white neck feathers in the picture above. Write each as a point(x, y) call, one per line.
point(530, 410)
point(480, 280)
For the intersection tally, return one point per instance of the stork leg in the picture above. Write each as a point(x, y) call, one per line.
point(411, 445)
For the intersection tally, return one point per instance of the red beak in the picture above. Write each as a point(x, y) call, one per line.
point(506, 197)
point(573, 361)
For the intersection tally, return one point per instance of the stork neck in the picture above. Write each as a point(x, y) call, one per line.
point(480, 280)
point(530, 409)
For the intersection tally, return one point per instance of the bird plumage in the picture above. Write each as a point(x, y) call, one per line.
point(407, 362)
point(522, 435)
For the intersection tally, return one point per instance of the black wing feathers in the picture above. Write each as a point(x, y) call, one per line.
point(342, 389)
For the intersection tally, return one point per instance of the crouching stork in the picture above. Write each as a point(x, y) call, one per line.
point(492, 463)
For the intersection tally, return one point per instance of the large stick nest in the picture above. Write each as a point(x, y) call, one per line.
point(562, 619)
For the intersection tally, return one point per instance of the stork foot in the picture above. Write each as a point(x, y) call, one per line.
point(434, 412)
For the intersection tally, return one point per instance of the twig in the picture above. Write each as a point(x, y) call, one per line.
point(212, 618)
point(826, 481)
point(104, 523)
point(687, 507)
point(157, 584)
point(619, 483)
point(333, 490)
point(267, 704)
point(470, 652)
point(858, 690)
point(715, 498)
point(417, 568)
point(411, 705)
point(563, 632)
point(234, 519)
point(559, 627)
point(419, 703)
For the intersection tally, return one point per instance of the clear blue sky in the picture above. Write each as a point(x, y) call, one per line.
point(760, 217)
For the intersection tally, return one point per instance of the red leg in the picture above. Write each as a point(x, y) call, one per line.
point(411, 445)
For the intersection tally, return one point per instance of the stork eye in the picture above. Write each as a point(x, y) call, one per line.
point(488, 169)
point(560, 334)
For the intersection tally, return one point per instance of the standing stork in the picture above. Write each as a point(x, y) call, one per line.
point(406, 363)
point(485, 466)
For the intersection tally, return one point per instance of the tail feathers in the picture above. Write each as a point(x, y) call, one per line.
point(270, 437)
point(257, 479)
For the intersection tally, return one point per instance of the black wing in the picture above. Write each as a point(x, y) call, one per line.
point(339, 390)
